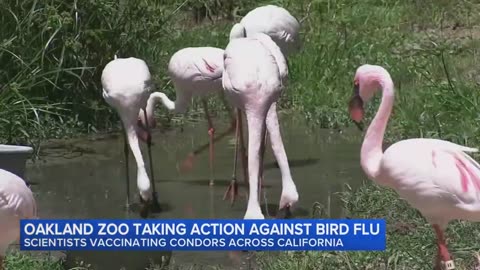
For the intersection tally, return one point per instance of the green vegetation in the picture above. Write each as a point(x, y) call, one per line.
point(18, 261)
point(52, 53)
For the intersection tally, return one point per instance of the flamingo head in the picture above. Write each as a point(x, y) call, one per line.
point(355, 106)
point(367, 81)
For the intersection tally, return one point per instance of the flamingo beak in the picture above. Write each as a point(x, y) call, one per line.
point(355, 107)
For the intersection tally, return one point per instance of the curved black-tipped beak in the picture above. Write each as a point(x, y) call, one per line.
point(355, 107)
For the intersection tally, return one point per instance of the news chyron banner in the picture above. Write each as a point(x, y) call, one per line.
point(203, 235)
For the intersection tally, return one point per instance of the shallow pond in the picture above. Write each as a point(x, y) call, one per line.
point(85, 178)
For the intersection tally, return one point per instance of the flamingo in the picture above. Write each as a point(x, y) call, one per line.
point(16, 203)
point(274, 21)
point(436, 177)
point(283, 29)
point(255, 71)
point(195, 71)
point(126, 86)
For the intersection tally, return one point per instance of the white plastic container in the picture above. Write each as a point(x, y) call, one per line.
point(13, 158)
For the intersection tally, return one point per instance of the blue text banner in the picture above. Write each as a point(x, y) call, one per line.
point(203, 235)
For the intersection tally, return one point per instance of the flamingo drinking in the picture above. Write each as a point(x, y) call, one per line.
point(255, 71)
point(126, 86)
point(283, 29)
point(437, 177)
point(195, 71)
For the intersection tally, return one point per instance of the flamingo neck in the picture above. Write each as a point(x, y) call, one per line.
point(177, 106)
point(143, 181)
point(371, 152)
point(238, 31)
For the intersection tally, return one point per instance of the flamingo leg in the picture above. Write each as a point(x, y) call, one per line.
point(260, 184)
point(126, 151)
point(232, 189)
point(232, 115)
point(236, 117)
point(444, 261)
point(237, 121)
point(243, 151)
point(256, 135)
point(155, 204)
point(211, 133)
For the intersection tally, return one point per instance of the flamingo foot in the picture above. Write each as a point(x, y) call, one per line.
point(284, 213)
point(144, 211)
point(232, 191)
point(154, 204)
point(150, 206)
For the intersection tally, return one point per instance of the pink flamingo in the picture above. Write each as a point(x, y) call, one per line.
point(126, 86)
point(16, 203)
point(284, 30)
point(274, 21)
point(437, 177)
point(196, 71)
point(255, 71)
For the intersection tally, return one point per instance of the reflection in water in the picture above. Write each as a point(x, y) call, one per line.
point(92, 185)
point(293, 163)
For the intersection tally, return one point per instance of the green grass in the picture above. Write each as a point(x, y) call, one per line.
point(18, 261)
point(52, 54)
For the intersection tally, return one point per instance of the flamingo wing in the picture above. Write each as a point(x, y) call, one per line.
point(209, 69)
point(16, 199)
point(277, 54)
point(437, 177)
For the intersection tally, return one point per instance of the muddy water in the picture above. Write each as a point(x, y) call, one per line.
point(85, 179)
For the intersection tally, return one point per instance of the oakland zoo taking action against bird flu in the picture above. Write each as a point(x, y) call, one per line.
point(203, 235)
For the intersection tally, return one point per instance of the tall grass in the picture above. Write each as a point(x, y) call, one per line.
point(52, 53)
point(432, 67)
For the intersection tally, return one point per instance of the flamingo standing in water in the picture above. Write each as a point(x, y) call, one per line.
point(284, 30)
point(437, 177)
point(255, 71)
point(194, 71)
point(126, 86)
point(16, 203)
point(197, 72)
